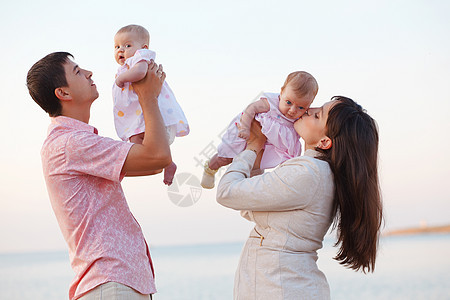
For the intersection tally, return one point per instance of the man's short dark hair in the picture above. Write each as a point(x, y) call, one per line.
point(44, 77)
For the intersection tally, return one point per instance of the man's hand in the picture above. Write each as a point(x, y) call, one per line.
point(150, 86)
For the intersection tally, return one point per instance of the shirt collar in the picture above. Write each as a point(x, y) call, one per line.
point(312, 153)
point(73, 123)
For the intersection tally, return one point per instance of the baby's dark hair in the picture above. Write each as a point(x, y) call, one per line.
point(44, 77)
point(302, 83)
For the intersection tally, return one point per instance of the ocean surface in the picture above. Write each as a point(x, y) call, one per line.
point(408, 267)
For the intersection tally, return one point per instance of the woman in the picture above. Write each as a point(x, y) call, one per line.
point(336, 180)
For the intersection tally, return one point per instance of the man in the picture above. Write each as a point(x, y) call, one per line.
point(83, 171)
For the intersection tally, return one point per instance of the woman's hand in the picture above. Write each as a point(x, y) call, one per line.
point(257, 139)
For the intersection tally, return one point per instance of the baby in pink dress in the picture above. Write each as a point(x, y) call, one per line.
point(276, 113)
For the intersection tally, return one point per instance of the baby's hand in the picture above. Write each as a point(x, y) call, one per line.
point(243, 133)
point(119, 82)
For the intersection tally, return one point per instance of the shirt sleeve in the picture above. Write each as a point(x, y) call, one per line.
point(94, 155)
point(290, 186)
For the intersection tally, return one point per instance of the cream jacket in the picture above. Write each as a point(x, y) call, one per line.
point(291, 207)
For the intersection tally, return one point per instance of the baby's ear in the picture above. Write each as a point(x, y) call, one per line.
point(145, 46)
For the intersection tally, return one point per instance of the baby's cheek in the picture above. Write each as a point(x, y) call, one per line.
point(282, 109)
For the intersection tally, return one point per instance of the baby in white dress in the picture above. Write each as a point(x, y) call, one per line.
point(132, 54)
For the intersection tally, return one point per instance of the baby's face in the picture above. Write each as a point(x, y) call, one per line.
point(292, 106)
point(125, 46)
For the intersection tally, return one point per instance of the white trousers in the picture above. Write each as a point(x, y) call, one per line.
point(114, 291)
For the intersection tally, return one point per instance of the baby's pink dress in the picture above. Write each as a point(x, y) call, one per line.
point(283, 142)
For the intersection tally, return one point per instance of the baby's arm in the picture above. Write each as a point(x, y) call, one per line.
point(260, 106)
point(134, 74)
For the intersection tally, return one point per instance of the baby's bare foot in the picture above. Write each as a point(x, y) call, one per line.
point(169, 173)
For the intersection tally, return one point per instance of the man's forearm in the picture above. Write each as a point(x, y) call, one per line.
point(146, 173)
point(154, 152)
point(155, 132)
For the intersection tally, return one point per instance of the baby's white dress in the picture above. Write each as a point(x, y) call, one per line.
point(128, 118)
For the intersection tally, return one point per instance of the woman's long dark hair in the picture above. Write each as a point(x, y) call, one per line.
point(353, 158)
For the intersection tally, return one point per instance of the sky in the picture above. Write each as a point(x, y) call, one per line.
point(392, 57)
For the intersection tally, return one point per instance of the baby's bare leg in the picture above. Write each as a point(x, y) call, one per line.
point(137, 138)
point(216, 162)
point(211, 168)
point(169, 173)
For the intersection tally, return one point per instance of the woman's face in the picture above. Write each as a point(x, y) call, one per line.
point(312, 126)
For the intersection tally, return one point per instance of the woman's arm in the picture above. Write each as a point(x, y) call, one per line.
point(136, 73)
point(290, 186)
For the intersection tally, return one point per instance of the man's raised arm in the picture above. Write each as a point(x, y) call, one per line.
point(154, 152)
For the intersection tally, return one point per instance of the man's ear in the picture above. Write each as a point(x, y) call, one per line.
point(62, 94)
point(325, 143)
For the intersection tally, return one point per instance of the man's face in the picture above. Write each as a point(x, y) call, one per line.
point(80, 85)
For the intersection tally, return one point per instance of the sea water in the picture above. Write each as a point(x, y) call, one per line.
point(408, 267)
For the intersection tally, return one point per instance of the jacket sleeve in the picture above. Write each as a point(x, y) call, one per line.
point(290, 186)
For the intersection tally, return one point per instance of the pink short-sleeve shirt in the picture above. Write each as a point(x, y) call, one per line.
point(83, 173)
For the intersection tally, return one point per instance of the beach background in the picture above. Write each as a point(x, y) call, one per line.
point(413, 267)
point(393, 57)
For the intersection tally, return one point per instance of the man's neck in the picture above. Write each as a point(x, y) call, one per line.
point(78, 115)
